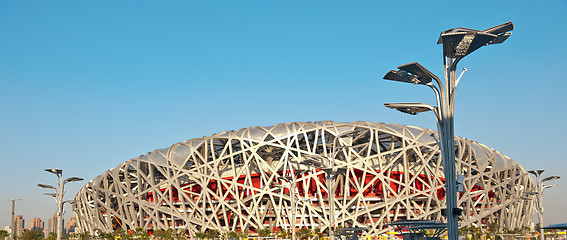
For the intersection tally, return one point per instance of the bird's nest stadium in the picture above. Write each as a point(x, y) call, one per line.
point(280, 176)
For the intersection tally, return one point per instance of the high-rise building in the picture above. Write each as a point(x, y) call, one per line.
point(70, 226)
point(18, 225)
point(51, 225)
point(36, 224)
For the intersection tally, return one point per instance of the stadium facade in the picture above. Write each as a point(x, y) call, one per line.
point(232, 181)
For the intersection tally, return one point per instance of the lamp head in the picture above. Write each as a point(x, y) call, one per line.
point(51, 194)
point(313, 162)
point(73, 179)
point(401, 76)
point(284, 178)
point(548, 186)
point(46, 186)
point(411, 73)
point(459, 42)
point(425, 76)
point(550, 178)
point(55, 171)
point(536, 172)
point(410, 108)
point(352, 133)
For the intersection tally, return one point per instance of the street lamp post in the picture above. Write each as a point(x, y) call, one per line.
point(292, 185)
point(13, 210)
point(457, 43)
point(327, 164)
point(539, 192)
point(58, 195)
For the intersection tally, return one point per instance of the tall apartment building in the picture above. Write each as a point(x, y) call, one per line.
point(70, 226)
point(51, 225)
point(36, 224)
point(18, 225)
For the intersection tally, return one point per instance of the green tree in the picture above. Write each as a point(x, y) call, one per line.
point(318, 233)
point(170, 234)
point(164, 235)
point(80, 236)
point(264, 232)
point(284, 233)
point(117, 233)
point(4, 234)
point(97, 234)
point(304, 233)
point(201, 235)
point(212, 233)
point(32, 235)
point(107, 236)
point(493, 229)
point(232, 235)
point(142, 234)
point(126, 235)
point(51, 236)
point(181, 235)
point(242, 235)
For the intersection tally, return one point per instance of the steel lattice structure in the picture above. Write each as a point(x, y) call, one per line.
point(227, 182)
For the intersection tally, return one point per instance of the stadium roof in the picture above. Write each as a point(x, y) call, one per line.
point(557, 226)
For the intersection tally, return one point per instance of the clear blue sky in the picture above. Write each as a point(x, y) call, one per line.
point(86, 85)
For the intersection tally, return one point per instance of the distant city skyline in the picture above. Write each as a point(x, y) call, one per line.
point(85, 86)
point(39, 224)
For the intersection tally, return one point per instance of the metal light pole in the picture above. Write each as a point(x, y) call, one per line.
point(13, 210)
point(292, 185)
point(58, 195)
point(539, 199)
point(457, 43)
point(327, 164)
point(332, 172)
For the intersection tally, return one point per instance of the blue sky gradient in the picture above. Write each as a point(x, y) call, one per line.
point(85, 86)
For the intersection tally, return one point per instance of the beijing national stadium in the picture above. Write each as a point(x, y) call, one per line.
point(290, 175)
